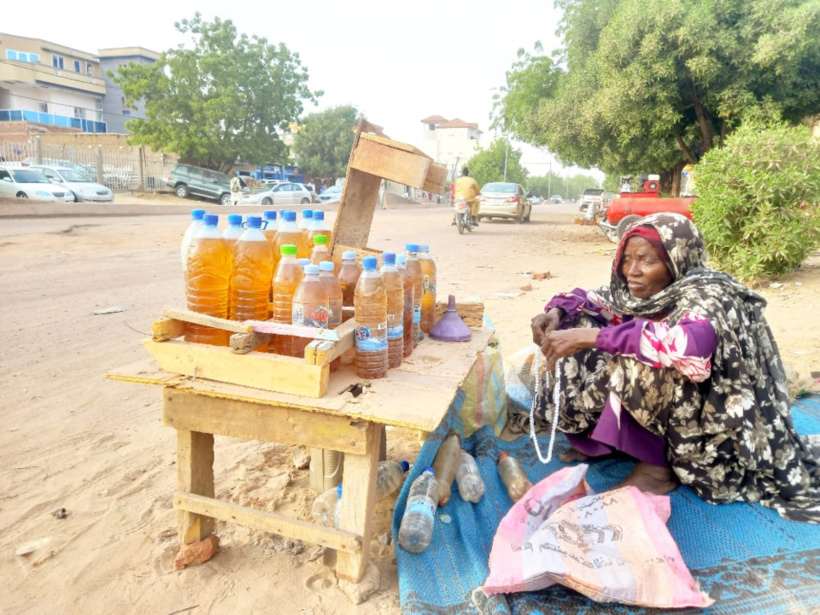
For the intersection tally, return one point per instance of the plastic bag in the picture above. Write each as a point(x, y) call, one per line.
point(486, 400)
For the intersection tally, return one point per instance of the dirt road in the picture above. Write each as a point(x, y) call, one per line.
point(70, 439)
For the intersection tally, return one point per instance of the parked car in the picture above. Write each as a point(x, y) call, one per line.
point(285, 193)
point(504, 200)
point(188, 180)
point(83, 189)
point(25, 183)
point(592, 196)
point(534, 200)
point(334, 193)
point(557, 198)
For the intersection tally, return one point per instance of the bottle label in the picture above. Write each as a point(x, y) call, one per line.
point(310, 315)
point(424, 507)
point(396, 332)
point(369, 339)
point(335, 314)
point(416, 315)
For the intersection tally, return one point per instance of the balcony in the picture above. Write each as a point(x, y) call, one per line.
point(22, 115)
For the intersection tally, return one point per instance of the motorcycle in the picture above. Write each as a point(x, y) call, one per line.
point(463, 220)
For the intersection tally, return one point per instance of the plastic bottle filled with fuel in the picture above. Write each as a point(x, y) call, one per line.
point(407, 281)
point(207, 280)
point(310, 306)
point(446, 465)
point(370, 312)
point(233, 230)
point(414, 269)
point(285, 282)
point(305, 223)
point(252, 273)
point(290, 233)
point(394, 287)
point(320, 227)
point(428, 296)
point(320, 250)
point(348, 275)
point(193, 227)
point(270, 227)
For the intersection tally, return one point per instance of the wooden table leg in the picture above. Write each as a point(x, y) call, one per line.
point(359, 503)
point(195, 474)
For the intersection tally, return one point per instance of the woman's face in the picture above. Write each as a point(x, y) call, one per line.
point(643, 268)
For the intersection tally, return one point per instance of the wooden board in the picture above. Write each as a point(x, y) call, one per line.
point(471, 313)
point(377, 157)
point(356, 208)
point(195, 474)
point(322, 352)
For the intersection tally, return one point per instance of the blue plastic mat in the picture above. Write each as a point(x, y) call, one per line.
point(745, 557)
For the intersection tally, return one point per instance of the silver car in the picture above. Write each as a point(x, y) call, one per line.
point(83, 188)
point(285, 193)
point(504, 200)
point(25, 183)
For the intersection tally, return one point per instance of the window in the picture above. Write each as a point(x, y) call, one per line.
point(34, 58)
point(76, 66)
point(79, 113)
point(89, 69)
point(4, 174)
point(57, 61)
point(43, 107)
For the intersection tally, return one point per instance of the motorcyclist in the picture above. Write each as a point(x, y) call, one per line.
point(467, 189)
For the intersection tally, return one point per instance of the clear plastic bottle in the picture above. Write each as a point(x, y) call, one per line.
point(193, 227)
point(320, 250)
point(349, 273)
point(252, 273)
point(207, 280)
point(407, 281)
point(310, 306)
point(513, 476)
point(334, 294)
point(394, 287)
point(470, 484)
point(233, 230)
point(319, 227)
point(416, 529)
point(370, 312)
point(270, 227)
point(414, 269)
point(337, 508)
point(290, 233)
point(324, 506)
point(428, 296)
point(305, 222)
point(446, 465)
point(285, 281)
point(390, 477)
point(303, 261)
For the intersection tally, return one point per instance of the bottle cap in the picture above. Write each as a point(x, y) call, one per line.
point(389, 258)
point(270, 215)
point(289, 216)
point(234, 219)
point(457, 431)
point(430, 469)
point(401, 259)
point(339, 491)
point(288, 250)
point(311, 269)
point(502, 456)
point(303, 262)
point(326, 266)
point(404, 465)
point(254, 222)
point(307, 213)
point(349, 256)
point(210, 219)
point(412, 247)
point(320, 239)
point(196, 214)
point(318, 215)
point(369, 263)
point(423, 247)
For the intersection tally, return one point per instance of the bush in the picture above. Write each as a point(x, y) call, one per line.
point(758, 200)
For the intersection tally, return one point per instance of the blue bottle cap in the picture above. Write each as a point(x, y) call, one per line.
point(404, 465)
point(318, 215)
point(389, 258)
point(307, 213)
point(289, 216)
point(412, 247)
point(270, 215)
point(430, 469)
point(234, 219)
point(196, 214)
point(254, 222)
point(210, 219)
point(423, 247)
point(326, 266)
point(369, 263)
point(349, 255)
point(303, 261)
point(311, 269)
point(401, 259)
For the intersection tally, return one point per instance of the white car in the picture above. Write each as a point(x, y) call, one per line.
point(285, 193)
point(24, 183)
point(83, 188)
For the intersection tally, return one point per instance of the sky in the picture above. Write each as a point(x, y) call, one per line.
point(397, 62)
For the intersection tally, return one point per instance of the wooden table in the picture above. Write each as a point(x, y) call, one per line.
point(350, 418)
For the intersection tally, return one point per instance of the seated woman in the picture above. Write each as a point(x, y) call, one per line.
point(675, 365)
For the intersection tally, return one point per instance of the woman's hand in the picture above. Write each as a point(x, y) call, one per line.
point(545, 323)
point(559, 344)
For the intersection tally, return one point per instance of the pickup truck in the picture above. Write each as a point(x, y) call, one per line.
point(592, 196)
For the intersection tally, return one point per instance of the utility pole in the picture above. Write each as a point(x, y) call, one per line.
point(549, 182)
point(506, 153)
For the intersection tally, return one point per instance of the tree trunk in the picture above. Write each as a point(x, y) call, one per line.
point(676, 177)
point(705, 122)
point(687, 153)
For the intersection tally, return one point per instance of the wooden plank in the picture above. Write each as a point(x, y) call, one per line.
point(358, 503)
point(186, 410)
point(321, 353)
point(195, 474)
point(333, 538)
point(356, 208)
point(277, 328)
point(164, 329)
point(256, 369)
point(472, 313)
point(436, 179)
point(243, 343)
point(205, 320)
point(384, 161)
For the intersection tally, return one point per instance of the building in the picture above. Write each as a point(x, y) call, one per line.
point(115, 113)
point(49, 84)
point(449, 142)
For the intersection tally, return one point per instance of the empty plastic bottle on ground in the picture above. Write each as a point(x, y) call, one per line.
point(428, 296)
point(252, 273)
point(407, 281)
point(414, 269)
point(390, 477)
point(416, 529)
point(324, 506)
point(305, 222)
point(513, 476)
point(319, 227)
point(320, 250)
point(285, 281)
point(310, 306)
point(470, 484)
point(348, 275)
point(193, 227)
point(370, 312)
point(446, 465)
point(394, 287)
point(207, 280)
point(290, 233)
point(233, 230)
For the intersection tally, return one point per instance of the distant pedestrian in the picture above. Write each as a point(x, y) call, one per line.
point(236, 189)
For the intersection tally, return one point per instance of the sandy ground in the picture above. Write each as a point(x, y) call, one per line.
point(70, 439)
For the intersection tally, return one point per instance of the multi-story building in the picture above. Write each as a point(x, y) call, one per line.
point(115, 113)
point(46, 83)
point(449, 142)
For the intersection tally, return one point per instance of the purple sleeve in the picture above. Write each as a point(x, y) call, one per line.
point(579, 302)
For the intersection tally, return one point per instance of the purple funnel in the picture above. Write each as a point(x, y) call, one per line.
point(450, 327)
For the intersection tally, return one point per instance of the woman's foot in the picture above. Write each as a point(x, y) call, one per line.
point(659, 480)
point(572, 455)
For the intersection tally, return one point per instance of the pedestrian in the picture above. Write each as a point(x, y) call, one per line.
point(236, 189)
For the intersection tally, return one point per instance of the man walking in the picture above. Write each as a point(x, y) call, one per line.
point(236, 189)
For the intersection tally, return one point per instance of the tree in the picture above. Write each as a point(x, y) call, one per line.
point(651, 85)
point(488, 164)
point(324, 140)
point(569, 187)
point(220, 100)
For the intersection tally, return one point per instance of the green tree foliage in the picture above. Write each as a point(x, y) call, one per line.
point(651, 85)
point(759, 200)
point(222, 99)
point(569, 187)
point(324, 140)
point(488, 164)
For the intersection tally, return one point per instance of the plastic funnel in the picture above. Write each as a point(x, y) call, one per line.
point(450, 327)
